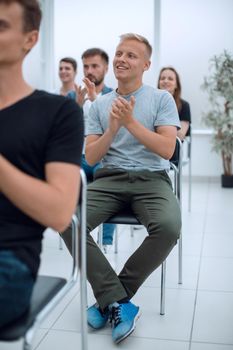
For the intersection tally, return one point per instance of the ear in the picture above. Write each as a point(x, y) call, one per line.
point(31, 39)
point(147, 65)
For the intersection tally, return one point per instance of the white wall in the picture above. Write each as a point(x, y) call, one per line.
point(32, 67)
point(80, 25)
point(205, 162)
point(39, 63)
point(191, 33)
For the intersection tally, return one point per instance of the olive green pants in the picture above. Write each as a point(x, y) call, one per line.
point(153, 202)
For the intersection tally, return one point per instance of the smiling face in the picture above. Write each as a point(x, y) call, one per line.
point(66, 72)
point(130, 61)
point(167, 81)
point(14, 41)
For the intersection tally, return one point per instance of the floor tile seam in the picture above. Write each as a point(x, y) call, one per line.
point(144, 337)
point(210, 343)
point(179, 287)
point(99, 333)
point(218, 257)
point(62, 311)
point(215, 291)
point(200, 261)
point(159, 338)
point(219, 233)
point(65, 330)
point(174, 254)
point(190, 255)
point(42, 339)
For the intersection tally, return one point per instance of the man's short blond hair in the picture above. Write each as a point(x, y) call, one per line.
point(137, 37)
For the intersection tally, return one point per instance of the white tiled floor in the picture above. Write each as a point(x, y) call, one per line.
point(199, 313)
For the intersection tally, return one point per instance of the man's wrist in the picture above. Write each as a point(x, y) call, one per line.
point(93, 97)
point(111, 133)
point(129, 122)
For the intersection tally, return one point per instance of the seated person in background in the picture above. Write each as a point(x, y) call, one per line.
point(133, 130)
point(169, 80)
point(95, 67)
point(41, 139)
point(67, 73)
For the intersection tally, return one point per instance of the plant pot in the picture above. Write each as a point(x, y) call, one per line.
point(227, 181)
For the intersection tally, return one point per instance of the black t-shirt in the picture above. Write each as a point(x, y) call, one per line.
point(185, 114)
point(38, 129)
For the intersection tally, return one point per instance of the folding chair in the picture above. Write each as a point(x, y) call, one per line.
point(187, 160)
point(126, 217)
point(49, 291)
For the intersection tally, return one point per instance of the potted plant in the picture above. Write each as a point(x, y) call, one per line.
point(219, 85)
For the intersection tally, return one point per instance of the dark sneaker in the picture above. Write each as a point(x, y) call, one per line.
point(96, 318)
point(123, 319)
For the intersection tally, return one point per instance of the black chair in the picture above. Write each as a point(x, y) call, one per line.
point(126, 217)
point(49, 291)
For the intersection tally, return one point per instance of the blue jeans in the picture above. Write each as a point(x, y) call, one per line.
point(108, 229)
point(16, 284)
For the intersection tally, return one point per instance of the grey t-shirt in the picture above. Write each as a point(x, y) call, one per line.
point(153, 108)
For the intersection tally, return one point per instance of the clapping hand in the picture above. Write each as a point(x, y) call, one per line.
point(91, 90)
point(81, 93)
point(122, 110)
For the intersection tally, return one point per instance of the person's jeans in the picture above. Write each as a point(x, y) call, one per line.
point(16, 285)
point(108, 229)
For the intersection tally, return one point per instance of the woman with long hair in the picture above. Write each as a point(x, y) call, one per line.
point(169, 80)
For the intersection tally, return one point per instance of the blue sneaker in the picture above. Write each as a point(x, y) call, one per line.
point(123, 319)
point(96, 318)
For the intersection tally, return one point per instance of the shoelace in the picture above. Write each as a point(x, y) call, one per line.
point(115, 317)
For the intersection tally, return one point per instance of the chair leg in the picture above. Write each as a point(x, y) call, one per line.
point(100, 236)
point(131, 231)
point(83, 288)
point(163, 280)
point(28, 338)
point(190, 186)
point(116, 240)
point(180, 257)
point(26, 346)
point(60, 243)
point(82, 250)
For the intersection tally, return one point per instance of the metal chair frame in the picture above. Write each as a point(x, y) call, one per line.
point(188, 161)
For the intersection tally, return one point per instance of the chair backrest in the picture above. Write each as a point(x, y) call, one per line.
point(176, 157)
point(187, 160)
point(176, 165)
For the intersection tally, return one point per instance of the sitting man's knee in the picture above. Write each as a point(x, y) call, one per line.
point(167, 228)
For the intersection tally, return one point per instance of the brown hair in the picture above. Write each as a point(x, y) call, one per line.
point(70, 60)
point(95, 51)
point(177, 92)
point(31, 13)
point(140, 38)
